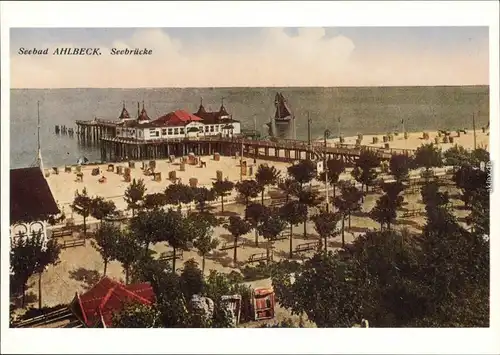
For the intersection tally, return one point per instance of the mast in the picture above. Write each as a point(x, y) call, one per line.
point(474, 128)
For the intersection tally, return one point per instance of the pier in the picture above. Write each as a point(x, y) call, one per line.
point(95, 129)
point(120, 149)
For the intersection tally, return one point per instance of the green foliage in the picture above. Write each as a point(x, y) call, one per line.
point(30, 255)
point(202, 195)
point(364, 171)
point(293, 212)
point(470, 180)
point(248, 189)
point(191, 279)
point(204, 241)
point(222, 188)
point(134, 195)
point(303, 172)
point(176, 194)
point(432, 197)
point(82, 204)
point(136, 315)
point(154, 201)
point(456, 156)
point(265, 176)
point(325, 224)
point(439, 278)
point(148, 227)
point(385, 210)
point(400, 166)
point(289, 187)
point(106, 242)
point(428, 156)
point(100, 208)
point(237, 227)
point(127, 252)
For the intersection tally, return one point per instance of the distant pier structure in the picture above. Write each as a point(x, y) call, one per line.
point(179, 133)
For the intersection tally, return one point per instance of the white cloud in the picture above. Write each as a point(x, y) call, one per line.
point(277, 59)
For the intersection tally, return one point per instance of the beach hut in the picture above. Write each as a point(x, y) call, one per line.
point(263, 303)
point(172, 175)
point(193, 182)
point(55, 170)
point(216, 156)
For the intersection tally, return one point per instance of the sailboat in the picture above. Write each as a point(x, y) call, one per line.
point(280, 126)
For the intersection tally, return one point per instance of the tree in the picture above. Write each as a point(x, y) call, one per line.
point(178, 232)
point(352, 197)
point(30, 255)
point(127, 252)
point(271, 228)
point(470, 180)
point(100, 208)
point(177, 194)
point(106, 242)
point(137, 315)
point(237, 227)
point(400, 166)
point(303, 172)
point(82, 204)
point(364, 171)
point(457, 156)
point(265, 176)
point(255, 213)
point(325, 224)
point(385, 209)
point(428, 156)
point(202, 195)
point(309, 198)
point(334, 167)
point(191, 279)
point(248, 189)
point(294, 213)
point(134, 195)
point(204, 241)
point(148, 227)
point(154, 201)
point(289, 187)
point(432, 197)
point(222, 188)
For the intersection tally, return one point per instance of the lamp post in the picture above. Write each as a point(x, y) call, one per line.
point(325, 137)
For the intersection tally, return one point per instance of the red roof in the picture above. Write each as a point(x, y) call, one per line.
point(176, 118)
point(108, 297)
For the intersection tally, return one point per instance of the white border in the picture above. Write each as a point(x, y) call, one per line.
point(227, 14)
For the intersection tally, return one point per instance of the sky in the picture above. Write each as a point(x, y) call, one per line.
point(254, 57)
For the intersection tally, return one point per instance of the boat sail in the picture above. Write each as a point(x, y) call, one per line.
point(280, 126)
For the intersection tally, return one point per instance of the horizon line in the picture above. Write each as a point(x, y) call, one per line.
point(254, 87)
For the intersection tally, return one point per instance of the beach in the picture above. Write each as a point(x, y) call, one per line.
point(81, 266)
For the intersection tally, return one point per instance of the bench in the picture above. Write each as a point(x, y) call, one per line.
point(169, 255)
point(306, 247)
point(63, 232)
point(411, 213)
point(229, 245)
point(283, 235)
point(73, 243)
point(258, 257)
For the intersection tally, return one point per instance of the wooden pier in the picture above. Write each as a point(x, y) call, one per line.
point(95, 129)
point(121, 149)
point(115, 149)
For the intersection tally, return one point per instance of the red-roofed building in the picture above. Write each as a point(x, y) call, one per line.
point(95, 308)
point(179, 124)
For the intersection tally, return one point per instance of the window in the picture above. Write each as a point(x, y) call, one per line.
point(170, 131)
point(164, 131)
point(211, 128)
point(217, 128)
point(157, 133)
point(206, 128)
point(181, 130)
point(176, 130)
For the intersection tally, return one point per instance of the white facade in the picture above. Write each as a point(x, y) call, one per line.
point(192, 129)
point(26, 229)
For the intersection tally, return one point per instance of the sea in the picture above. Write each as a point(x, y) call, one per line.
point(344, 110)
